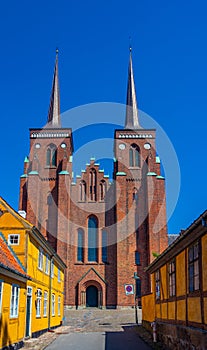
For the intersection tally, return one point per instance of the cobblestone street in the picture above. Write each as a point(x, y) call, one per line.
point(110, 328)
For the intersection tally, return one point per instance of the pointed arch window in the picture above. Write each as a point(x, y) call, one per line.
point(80, 245)
point(92, 179)
point(102, 190)
point(92, 238)
point(51, 156)
point(104, 246)
point(82, 191)
point(134, 156)
point(135, 195)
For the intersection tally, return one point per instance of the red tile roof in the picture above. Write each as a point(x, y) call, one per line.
point(8, 260)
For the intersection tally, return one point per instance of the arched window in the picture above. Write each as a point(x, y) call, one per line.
point(134, 156)
point(135, 195)
point(51, 155)
point(82, 191)
point(93, 185)
point(49, 199)
point(102, 190)
point(80, 245)
point(104, 246)
point(92, 238)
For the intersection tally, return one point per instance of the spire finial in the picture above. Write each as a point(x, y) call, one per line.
point(132, 121)
point(53, 119)
point(130, 44)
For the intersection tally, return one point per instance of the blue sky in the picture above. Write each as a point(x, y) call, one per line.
point(170, 66)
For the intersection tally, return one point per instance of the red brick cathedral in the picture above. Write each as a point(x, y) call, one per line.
point(106, 233)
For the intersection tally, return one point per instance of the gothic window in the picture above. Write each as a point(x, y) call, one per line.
point(92, 238)
point(134, 156)
point(51, 156)
point(135, 195)
point(138, 287)
point(80, 245)
point(104, 246)
point(93, 185)
point(137, 258)
point(82, 191)
point(102, 190)
point(193, 267)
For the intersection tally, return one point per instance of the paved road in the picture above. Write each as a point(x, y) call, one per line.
point(125, 340)
point(100, 330)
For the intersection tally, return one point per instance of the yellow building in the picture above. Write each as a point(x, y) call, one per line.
point(44, 296)
point(13, 281)
point(178, 302)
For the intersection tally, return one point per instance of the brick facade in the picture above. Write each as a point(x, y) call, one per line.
point(130, 212)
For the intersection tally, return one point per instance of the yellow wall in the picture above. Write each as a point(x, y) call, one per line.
point(27, 252)
point(180, 274)
point(12, 330)
point(148, 308)
point(174, 308)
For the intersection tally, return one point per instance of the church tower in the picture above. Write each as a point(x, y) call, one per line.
point(44, 194)
point(140, 197)
point(105, 233)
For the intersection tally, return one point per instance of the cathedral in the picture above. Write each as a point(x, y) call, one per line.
point(106, 232)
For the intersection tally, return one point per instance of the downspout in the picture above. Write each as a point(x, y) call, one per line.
point(50, 291)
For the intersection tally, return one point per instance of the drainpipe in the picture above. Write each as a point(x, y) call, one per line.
point(50, 291)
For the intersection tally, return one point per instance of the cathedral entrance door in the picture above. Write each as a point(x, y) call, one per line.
point(92, 296)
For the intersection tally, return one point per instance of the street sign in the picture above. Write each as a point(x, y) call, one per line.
point(129, 289)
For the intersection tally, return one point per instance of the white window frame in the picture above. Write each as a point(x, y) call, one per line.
point(53, 304)
point(59, 279)
point(40, 259)
point(1, 293)
point(14, 301)
point(38, 302)
point(45, 303)
point(59, 305)
point(52, 268)
point(13, 235)
point(47, 264)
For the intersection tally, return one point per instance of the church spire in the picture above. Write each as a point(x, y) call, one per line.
point(132, 121)
point(53, 119)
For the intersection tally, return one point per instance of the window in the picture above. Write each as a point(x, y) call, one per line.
point(137, 258)
point(13, 239)
point(157, 284)
point(134, 156)
point(1, 294)
point(82, 193)
point(193, 267)
point(80, 245)
point(102, 190)
point(92, 238)
point(172, 279)
point(92, 185)
point(104, 246)
point(45, 304)
point(53, 304)
point(52, 268)
point(59, 305)
point(138, 287)
point(14, 301)
point(135, 195)
point(38, 302)
point(59, 275)
point(40, 259)
point(51, 156)
point(47, 264)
